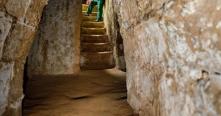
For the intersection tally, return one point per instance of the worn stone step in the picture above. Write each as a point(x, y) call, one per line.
point(94, 38)
point(97, 61)
point(92, 14)
point(85, 7)
point(96, 47)
point(93, 31)
point(89, 18)
point(92, 24)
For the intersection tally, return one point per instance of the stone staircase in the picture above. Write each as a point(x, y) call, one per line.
point(96, 49)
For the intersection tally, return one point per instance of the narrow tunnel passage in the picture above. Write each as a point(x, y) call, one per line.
point(171, 50)
point(97, 92)
point(92, 93)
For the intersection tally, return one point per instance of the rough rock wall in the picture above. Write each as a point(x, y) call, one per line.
point(18, 23)
point(113, 31)
point(173, 56)
point(56, 48)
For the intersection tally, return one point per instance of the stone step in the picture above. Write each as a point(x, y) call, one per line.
point(89, 18)
point(93, 31)
point(92, 24)
point(92, 14)
point(85, 7)
point(97, 61)
point(96, 47)
point(94, 38)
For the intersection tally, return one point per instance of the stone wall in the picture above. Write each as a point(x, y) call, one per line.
point(56, 48)
point(113, 31)
point(18, 23)
point(173, 56)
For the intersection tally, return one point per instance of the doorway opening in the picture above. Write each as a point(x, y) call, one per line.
point(99, 89)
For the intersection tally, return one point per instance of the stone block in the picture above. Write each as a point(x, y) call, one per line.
point(56, 49)
point(15, 90)
point(17, 8)
point(18, 43)
point(33, 14)
point(172, 52)
point(5, 26)
point(6, 70)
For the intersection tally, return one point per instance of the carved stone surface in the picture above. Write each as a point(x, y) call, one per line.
point(16, 36)
point(56, 48)
point(17, 8)
point(18, 43)
point(113, 31)
point(173, 56)
point(5, 26)
point(172, 50)
point(5, 74)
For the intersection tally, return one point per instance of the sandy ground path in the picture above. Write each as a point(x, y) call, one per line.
point(92, 93)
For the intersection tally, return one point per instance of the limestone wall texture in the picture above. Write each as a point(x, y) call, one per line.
point(56, 49)
point(173, 56)
point(18, 23)
point(113, 31)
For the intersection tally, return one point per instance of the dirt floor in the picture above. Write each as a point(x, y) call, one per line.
point(92, 93)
